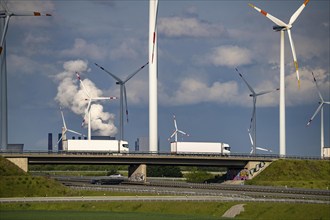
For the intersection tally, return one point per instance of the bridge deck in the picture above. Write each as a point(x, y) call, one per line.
point(129, 159)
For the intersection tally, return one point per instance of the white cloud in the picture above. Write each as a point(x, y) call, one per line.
point(190, 91)
point(81, 47)
point(72, 95)
point(193, 91)
point(126, 50)
point(230, 56)
point(34, 39)
point(22, 64)
point(307, 93)
point(188, 27)
point(35, 44)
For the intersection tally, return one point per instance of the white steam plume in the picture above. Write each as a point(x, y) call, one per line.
point(71, 95)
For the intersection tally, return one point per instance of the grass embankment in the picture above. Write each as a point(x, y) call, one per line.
point(160, 210)
point(295, 173)
point(15, 182)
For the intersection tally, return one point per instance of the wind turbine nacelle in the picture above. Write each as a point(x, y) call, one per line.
point(279, 28)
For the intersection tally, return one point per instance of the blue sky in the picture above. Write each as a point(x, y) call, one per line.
point(200, 43)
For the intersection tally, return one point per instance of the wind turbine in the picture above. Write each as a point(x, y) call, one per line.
point(322, 102)
point(176, 131)
point(88, 109)
point(65, 129)
point(153, 75)
point(122, 95)
point(5, 15)
point(253, 123)
point(282, 26)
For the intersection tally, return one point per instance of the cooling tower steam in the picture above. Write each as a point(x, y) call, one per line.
point(71, 95)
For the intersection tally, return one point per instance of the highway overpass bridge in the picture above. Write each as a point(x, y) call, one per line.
point(139, 162)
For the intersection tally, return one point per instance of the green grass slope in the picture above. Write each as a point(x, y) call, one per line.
point(295, 173)
point(161, 210)
point(15, 182)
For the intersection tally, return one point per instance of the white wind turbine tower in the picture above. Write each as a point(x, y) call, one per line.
point(176, 131)
point(153, 76)
point(282, 26)
point(5, 15)
point(66, 129)
point(88, 109)
point(322, 102)
point(123, 96)
point(253, 123)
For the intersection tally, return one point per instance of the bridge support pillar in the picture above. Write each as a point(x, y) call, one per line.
point(137, 173)
point(20, 162)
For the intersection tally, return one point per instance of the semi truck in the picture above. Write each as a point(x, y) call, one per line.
point(73, 145)
point(200, 148)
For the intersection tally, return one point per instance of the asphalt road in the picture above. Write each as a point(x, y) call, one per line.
point(248, 192)
point(152, 198)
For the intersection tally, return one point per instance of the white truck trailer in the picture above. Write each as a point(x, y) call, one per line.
point(200, 148)
point(117, 146)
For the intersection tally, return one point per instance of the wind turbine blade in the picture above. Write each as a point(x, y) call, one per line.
point(104, 98)
point(175, 125)
point(269, 16)
point(83, 86)
point(317, 87)
point(133, 74)
point(35, 13)
point(266, 92)
point(75, 132)
point(182, 132)
point(315, 113)
point(59, 141)
point(248, 85)
point(251, 140)
point(294, 56)
point(263, 149)
point(125, 98)
point(172, 135)
point(155, 28)
point(4, 33)
point(64, 124)
point(297, 13)
point(111, 74)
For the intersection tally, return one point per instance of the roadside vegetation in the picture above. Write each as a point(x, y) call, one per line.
point(295, 173)
point(160, 210)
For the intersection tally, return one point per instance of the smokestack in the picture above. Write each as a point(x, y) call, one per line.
point(50, 142)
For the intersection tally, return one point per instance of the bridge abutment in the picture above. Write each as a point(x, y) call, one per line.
point(20, 162)
point(249, 171)
point(137, 172)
